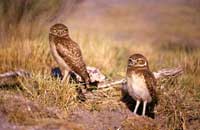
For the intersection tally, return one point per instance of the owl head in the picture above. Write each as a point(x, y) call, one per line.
point(59, 30)
point(137, 61)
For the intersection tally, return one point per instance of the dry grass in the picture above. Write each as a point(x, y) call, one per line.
point(178, 100)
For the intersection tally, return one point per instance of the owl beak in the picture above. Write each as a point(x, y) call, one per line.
point(59, 33)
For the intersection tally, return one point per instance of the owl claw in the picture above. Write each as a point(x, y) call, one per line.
point(81, 94)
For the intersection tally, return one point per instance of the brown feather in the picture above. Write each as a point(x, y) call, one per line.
point(150, 81)
point(71, 53)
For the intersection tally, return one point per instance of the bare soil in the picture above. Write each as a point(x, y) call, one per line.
point(17, 112)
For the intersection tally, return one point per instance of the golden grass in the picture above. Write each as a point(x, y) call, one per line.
point(178, 101)
point(176, 98)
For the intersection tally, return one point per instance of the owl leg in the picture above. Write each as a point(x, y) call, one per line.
point(144, 108)
point(66, 75)
point(136, 107)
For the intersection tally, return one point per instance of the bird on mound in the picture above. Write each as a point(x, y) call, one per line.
point(141, 83)
point(67, 53)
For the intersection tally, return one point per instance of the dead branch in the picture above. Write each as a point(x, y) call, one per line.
point(11, 76)
point(170, 72)
point(111, 83)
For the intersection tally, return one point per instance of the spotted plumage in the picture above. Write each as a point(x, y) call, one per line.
point(141, 82)
point(67, 53)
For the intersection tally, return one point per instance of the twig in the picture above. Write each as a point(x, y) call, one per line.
point(170, 72)
point(20, 73)
point(111, 83)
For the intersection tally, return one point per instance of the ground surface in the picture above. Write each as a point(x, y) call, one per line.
point(165, 31)
point(102, 117)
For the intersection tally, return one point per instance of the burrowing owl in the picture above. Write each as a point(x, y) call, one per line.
point(141, 82)
point(67, 53)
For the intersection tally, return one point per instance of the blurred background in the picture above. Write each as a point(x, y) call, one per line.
point(138, 21)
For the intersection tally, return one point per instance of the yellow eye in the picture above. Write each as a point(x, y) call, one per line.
point(54, 31)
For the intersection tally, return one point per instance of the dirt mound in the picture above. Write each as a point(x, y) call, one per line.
point(112, 117)
point(139, 123)
point(17, 112)
point(5, 125)
point(103, 120)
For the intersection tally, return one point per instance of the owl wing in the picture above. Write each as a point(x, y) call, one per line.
point(151, 82)
point(71, 54)
point(151, 85)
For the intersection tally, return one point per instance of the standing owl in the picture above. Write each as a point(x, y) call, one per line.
point(67, 53)
point(141, 82)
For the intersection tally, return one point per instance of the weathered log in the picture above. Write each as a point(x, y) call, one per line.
point(168, 72)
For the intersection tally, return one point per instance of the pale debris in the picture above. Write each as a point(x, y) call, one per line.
point(95, 75)
point(170, 72)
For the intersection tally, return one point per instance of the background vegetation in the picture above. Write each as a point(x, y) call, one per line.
point(170, 37)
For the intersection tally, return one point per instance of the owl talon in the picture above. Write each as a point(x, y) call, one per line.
point(81, 94)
